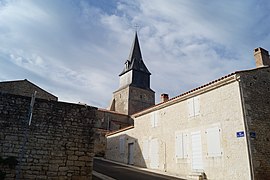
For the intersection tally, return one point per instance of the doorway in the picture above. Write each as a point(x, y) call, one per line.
point(197, 163)
point(131, 153)
point(154, 154)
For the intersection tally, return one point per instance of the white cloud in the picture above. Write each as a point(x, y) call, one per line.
point(76, 49)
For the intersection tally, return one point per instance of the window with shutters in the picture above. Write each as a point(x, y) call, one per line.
point(122, 145)
point(181, 145)
point(145, 151)
point(193, 106)
point(213, 142)
point(154, 119)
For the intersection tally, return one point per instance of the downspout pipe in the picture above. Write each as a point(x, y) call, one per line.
point(246, 129)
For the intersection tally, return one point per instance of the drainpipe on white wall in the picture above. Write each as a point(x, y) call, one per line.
point(165, 158)
point(246, 129)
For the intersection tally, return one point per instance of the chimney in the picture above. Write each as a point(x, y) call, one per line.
point(261, 57)
point(164, 97)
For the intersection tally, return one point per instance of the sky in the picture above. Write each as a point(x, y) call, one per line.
point(75, 49)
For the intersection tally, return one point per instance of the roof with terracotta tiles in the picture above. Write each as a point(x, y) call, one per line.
point(203, 86)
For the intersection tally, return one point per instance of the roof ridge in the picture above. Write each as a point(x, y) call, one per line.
point(192, 90)
point(26, 80)
point(204, 85)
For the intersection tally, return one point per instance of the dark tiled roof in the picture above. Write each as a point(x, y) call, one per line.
point(135, 61)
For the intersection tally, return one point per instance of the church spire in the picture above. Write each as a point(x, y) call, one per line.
point(134, 93)
point(135, 52)
point(135, 61)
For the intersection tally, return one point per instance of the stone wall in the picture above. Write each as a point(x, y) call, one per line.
point(255, 86)
point(120, 101)
point(140, 99)
point(130, 100)
point(25, 88)
point(59, 141)
point(111, 121)
point(107, 121)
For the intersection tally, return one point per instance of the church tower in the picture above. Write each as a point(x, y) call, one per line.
point(134, 93)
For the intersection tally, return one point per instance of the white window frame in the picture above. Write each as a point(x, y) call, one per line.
point(213, 136)
point(181, 145)
point(193, 106)
point(154, 119)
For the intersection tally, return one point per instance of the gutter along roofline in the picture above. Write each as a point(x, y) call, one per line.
point(199, 90)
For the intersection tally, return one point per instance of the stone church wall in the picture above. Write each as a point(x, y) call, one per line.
point(140, 99)
point(60, 139)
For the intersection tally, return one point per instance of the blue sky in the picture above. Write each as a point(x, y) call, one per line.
point(76, 49)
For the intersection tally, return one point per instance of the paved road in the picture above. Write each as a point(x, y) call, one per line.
point(120, 172)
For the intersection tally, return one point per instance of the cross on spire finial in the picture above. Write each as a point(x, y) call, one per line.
point(136, 27)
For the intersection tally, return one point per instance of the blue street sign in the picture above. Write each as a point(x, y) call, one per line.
point(252, 134)
point(240, 134)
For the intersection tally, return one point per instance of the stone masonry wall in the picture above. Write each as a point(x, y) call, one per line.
point(140, 99)
point(25, 88)
point(111, 121)
point(130, 100)
point(60, 138)
point(107, 121)
point(255, 86)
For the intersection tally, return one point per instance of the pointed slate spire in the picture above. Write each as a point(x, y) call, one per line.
point(135, 52)
point(135, 61)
